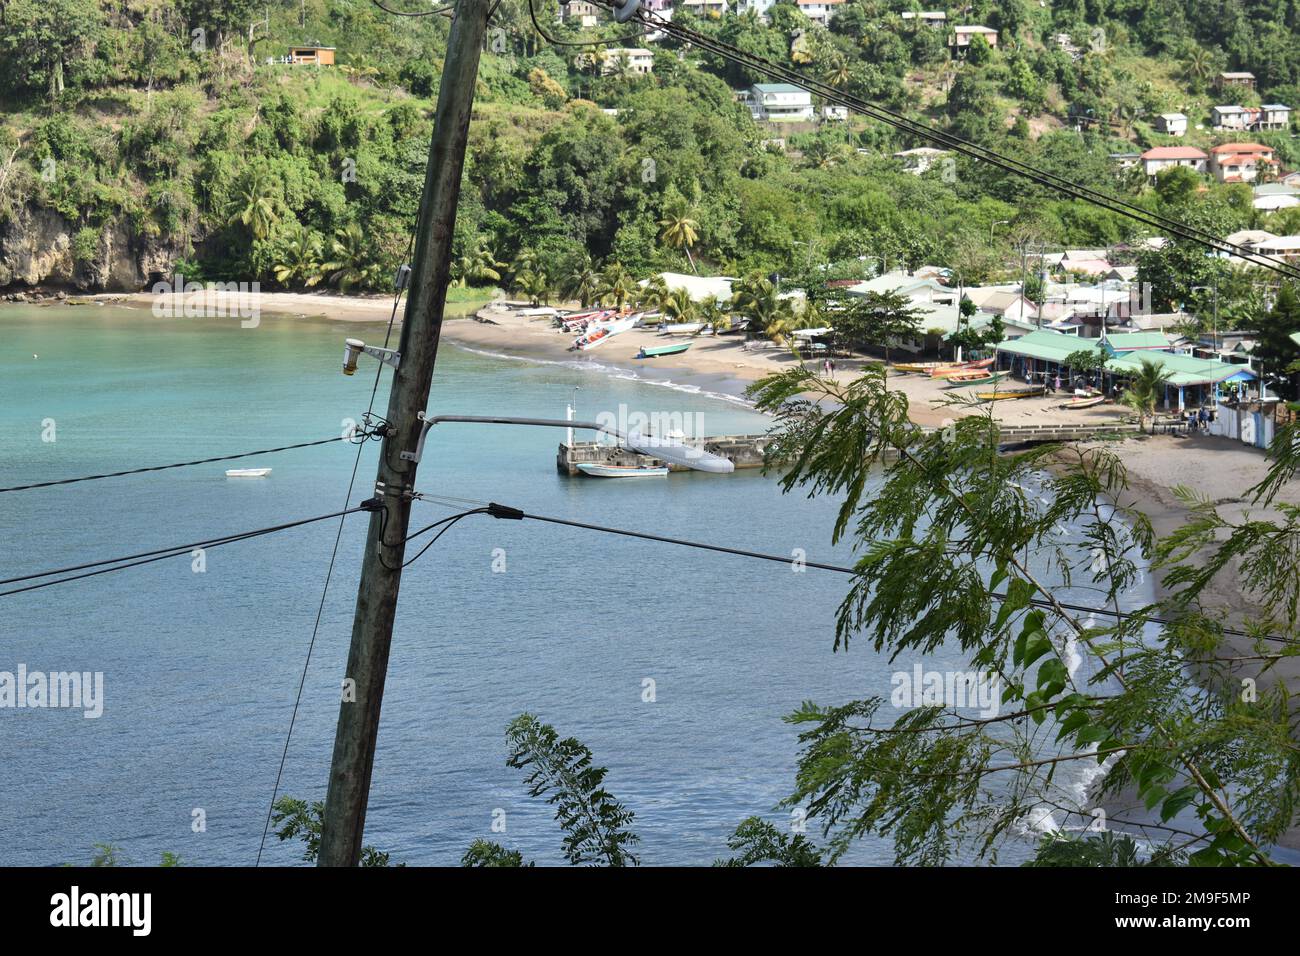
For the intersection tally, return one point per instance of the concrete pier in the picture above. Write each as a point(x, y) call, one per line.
point(744, 451)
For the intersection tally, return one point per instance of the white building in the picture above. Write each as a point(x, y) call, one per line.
point(835, 113)
point(819, 11)
point(640, 61)
point(1274, 116)
point(703, 8)
point(1172, 124)
point(779, 103)
point(919, 160)
point(1161, 158)
point(581, 12)
point(759, 7)
point(935, 19)
point(962, 36)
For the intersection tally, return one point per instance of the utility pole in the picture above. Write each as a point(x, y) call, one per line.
point(381, 571)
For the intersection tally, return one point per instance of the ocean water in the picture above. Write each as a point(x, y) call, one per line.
point(201, 669)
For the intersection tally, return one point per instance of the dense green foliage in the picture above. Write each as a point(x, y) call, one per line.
point(168, 119)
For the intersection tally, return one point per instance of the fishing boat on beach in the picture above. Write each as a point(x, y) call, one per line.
point(654, 351)
point(967, 379)
point(597, 470)
point(1022, 391)
point(1086, 401)
point(952, 370)
point(600, 334)
point(681, 328)
point(921, 366)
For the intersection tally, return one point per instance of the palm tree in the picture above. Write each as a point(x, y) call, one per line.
point(256, 204)
point(526, 260)
point(301, 259)
point(534, 284)
point(1145, 389)
point(678, 306)
point(654, 293)
point(780, 321)
point(1198, 64)
point(679, 230)
point(351, 263)
point(617, 286)
point(479, 265)
point(837, 73)
point(583, 282)
point(755, 297)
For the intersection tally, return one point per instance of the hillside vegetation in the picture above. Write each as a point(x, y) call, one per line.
point(164, 123)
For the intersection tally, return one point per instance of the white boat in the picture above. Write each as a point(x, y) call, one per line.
point(596, 470)
point(248, 472)
point(681, 328)
point(602, 333)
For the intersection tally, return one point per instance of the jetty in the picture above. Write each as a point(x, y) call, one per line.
point(744, 451)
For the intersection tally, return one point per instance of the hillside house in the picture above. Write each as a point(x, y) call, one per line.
point(704, 8)
point(919, 160)
point(1160, 158)
point(934, 19)
point(1240, 162)
point(963, 35)
point(1274, 196)
point(1172, 124)
point(1245, 81)
point(310, 56)
point(580, 12)
point(639, 61)
point(779, 103)
point(819, 11)
point(1274, 116)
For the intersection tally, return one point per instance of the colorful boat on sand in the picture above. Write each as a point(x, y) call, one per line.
point(975, 378)
point(1003, 394)
point(600, 334)
point(951, 370)
point(597, 470)
point(1088, 401)
point(654, 351)
point(921, 366)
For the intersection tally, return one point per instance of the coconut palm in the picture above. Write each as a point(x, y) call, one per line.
point(755, 297)
point(678, 306)
point(1198, 64)
point(535, 284)
point(1145, 389)
point(654, 292)
point(780, 322)
point(256, 204)
point(300, 259)
point(837, 72)
point(526, 260)
point(582, 282)
point(479, 265)
point(679, 230)
point(351, 262)
point(617, 287)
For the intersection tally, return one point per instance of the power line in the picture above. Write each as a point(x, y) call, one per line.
point(356, 438)
point(107, 565)
point(403, 13)
point(516, 514)
point(956, 144)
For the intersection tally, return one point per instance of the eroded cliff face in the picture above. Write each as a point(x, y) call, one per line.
point(37, 250)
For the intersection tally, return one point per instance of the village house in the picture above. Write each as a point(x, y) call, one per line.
point(1160, 158)
point(1245, 81)
point(919, 160)
point(819, 11)
point(837, 114)
point(1280, 247)
point(1125, 160)
point(310, 56)
point(759, 7)
point(1240, 162)
point(704, 8)
point(1002, 301)
point(1274, 116)
point(935, 19)
point(1172, 124)
point(639, 60)
point(1273, 196)
point(779, 103)
point(581, 12)
point(962, 36)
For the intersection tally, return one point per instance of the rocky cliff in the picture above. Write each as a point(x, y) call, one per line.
point(37, 249)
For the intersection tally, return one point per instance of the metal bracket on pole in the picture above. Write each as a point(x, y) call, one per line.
point(387, 356)
point(416, 455)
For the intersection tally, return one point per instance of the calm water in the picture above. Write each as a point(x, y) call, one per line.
point(201, 669)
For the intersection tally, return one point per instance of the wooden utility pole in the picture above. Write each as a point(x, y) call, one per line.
point(372, 627)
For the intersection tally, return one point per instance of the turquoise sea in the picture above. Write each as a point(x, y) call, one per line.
point(674, 666)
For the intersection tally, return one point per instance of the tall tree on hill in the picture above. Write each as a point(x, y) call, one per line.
point(679, 230)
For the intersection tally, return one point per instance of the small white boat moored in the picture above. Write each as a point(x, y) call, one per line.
point(248, 472)
point(597, 470)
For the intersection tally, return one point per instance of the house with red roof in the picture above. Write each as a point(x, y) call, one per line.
point(1240, 162)
point(1160, 158)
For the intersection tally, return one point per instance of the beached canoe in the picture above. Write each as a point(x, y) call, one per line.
point(596, 470)
point(951, 370)
point(1002, 394)
point(1089, 402)
point(976, 378)
point(656, 350)
point(922, 366)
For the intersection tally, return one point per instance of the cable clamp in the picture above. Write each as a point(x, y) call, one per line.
point(505, 511)
point(415, 456)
